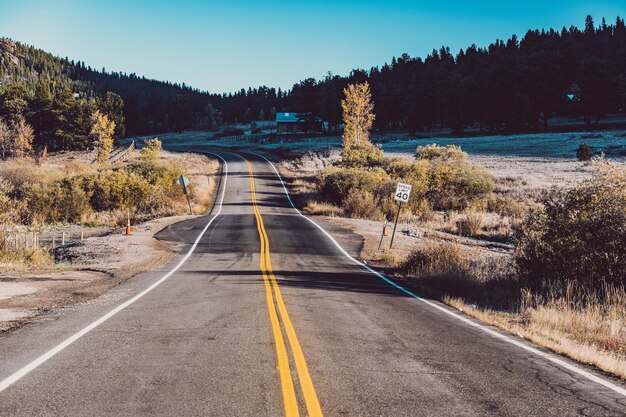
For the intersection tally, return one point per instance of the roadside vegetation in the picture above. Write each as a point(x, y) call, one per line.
point(564, 285)
point(36, 196)
point(361, 183)
point(560, 285)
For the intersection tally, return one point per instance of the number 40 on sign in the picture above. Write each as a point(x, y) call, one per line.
point(403, 192)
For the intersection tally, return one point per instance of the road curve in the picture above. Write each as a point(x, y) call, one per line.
point(267, 316)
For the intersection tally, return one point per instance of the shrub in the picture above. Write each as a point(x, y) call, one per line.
point(56, 202)
point(506, 206)
point(405, 168)
point(436, 260)
point(453, 185)
point(361, 156)
point(19, 173)
point(579, 235)
point(162, 176)
point(362, 205)
point(441, 175)
point(335, 184)
point(322, 209)
point(472, 181)
point(442, 153)
point(447, 269)
point(10, 210)
point(470, 224)
point(584, 152)
point(72, 202)
point(152, 149)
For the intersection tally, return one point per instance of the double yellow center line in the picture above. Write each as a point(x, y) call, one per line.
point(275, 302)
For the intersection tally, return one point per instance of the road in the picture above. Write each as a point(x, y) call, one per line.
point(265, 316)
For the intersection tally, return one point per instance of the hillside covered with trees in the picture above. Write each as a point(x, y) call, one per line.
point(511, 85)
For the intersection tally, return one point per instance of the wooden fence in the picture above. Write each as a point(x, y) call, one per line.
point(122, 155)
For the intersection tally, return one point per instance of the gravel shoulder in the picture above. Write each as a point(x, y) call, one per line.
point(87, 270)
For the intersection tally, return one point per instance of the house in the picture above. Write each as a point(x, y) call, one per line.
point(290, 122)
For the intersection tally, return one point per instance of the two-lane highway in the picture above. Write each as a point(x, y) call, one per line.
point(265, 315)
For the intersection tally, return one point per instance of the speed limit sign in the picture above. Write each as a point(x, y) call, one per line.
point(403, 192)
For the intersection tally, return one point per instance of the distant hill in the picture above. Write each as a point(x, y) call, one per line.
point(517, 85)
point(149, 106)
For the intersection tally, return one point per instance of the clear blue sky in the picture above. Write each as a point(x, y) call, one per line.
point(225, 45)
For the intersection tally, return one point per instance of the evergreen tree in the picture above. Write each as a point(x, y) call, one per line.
point(589, 25)
point(40, 115)
point(13, 104)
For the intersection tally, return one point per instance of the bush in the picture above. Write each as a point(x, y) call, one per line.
point(57, 202)
point(152, 149)
point(584, 152)
point(472, 181)
point(453, 185)
point(361, 156)
point(436, 260)
point(470, 224)
point(335, 184)
point(361, 205)
point(322, 209)
point(441, 153)
point(406, 169)
point(579, 235)
point(145, 187)
point(441, 175)
point(506, 206)
point(447, 269)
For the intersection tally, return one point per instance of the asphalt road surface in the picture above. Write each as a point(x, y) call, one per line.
point(266, 316)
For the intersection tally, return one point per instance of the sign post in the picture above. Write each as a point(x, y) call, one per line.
point(184, 182)
point(402, 194)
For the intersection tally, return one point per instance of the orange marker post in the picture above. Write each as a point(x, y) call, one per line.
point(128, 231)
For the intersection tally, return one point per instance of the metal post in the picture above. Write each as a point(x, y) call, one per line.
point(395, 225)
point(382, 235)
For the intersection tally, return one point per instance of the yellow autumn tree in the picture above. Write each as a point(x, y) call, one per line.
point(23, 140)
point(358, 114)
point(152, 149)
point(358, 118)
point(101, 134)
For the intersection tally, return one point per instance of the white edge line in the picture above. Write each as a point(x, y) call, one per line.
point(12, 379)
point(548, 356)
